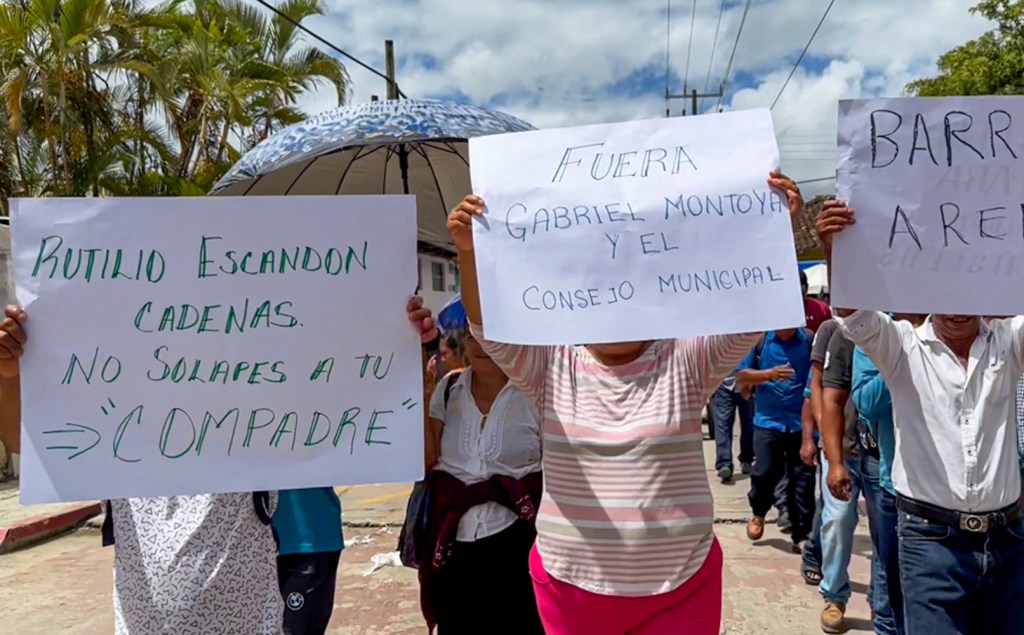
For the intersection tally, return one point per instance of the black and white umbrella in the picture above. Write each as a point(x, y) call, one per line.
point(391, 147)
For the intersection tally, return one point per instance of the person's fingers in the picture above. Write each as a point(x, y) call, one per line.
point(16, 312)
point(10, 348)
point(414, 303)
point(460, 217)
point(14, 329)
point(473, 207)
point(419, 315)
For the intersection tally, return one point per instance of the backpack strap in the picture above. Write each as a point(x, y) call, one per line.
point(107, 530)
point(449, 384)
point(758, 349)
point(261, 503)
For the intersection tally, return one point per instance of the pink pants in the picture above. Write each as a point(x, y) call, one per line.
point(695, 608)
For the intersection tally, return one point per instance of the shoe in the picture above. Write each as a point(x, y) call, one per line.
point(833, 618)
point(746, 468)
point(755, 528)
point(725, 473)
point(798, 547)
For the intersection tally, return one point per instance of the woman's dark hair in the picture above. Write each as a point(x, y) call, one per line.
point(455, 340)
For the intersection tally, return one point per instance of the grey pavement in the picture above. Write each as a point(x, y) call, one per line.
point(64, 585)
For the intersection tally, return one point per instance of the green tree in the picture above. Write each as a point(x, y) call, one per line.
point(125, 97)
point(993, 64)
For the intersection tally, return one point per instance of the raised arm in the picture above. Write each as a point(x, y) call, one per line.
point(460, 227)
point(526, 366)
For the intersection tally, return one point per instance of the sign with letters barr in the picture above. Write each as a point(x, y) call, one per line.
point(204, 345)
point(937, 186)
point(632, 231)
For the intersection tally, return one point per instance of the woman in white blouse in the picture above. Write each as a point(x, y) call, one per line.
point(489, 438)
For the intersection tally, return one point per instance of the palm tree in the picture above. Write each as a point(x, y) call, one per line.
point(120, 97)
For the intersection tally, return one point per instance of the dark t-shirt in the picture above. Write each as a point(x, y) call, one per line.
point(816, 313)
point(838, 374)
point(821, 340)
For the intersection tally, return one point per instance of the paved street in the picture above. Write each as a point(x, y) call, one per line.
point(64, 585)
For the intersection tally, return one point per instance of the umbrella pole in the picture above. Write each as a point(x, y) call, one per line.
point(403, 165)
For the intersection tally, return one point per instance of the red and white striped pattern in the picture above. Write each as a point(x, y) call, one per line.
point(627, 508)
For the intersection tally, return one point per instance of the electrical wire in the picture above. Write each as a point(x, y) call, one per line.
point(732, 57)
point(818, 180)
point(689, 50)
point(337, 50)
point(668, 45)
point(802, 53)
point(714, 46)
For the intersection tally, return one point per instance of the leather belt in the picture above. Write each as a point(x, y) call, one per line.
point(980, 523)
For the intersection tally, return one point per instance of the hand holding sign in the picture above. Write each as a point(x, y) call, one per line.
point(12, 340)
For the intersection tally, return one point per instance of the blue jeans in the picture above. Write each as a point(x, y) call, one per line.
point(725, 403)
point(961, 582)
point(889, 588)
point(880, 594)
point(838, 524)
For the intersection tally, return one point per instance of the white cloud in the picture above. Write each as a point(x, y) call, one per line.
point(553, 62)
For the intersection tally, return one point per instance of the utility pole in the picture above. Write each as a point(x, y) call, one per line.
point(389, 68)
point(694, 96)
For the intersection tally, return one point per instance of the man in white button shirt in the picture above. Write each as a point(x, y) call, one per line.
point(955, 470)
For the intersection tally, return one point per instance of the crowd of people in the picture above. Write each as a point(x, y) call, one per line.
point(569, 494)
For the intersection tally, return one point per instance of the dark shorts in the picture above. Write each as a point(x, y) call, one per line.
point(307, 583)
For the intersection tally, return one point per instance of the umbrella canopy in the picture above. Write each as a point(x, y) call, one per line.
point(391, 147)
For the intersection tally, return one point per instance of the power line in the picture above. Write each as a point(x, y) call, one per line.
point(668, 46)
point(334, 48)
point(732, 56)
point(818, 180)
point(802, 53)
point(689, 49)
point(714, 46)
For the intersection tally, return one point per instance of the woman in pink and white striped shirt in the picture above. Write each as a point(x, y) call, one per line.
point(625, 540)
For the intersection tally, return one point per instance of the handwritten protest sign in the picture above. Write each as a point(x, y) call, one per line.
point(632, 231)
point(938, 190)
point(184, 346)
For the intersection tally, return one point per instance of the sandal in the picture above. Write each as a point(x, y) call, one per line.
point(811, 576)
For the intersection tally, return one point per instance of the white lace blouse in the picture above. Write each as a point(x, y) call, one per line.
point(509, 445)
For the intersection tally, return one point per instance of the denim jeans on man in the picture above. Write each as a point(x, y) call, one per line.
point(838, 524)
point(959, 581)
point(888, 586)
point(726, 403)
point(880, 595)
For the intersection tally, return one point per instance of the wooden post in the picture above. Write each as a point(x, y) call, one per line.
point(389, 68)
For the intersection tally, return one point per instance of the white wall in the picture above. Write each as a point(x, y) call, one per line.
point(447, 281)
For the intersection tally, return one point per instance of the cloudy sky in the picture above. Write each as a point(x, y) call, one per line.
point(568, 62)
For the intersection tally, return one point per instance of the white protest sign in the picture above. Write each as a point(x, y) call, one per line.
point(938, 190)
point(631, 231)
point(194, 345)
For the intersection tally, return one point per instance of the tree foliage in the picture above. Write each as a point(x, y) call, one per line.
point(122, 97)
point(993, 64)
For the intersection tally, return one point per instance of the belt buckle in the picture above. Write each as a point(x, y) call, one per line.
point(974, 523)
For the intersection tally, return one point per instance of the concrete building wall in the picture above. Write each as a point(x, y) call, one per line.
point(438, 281)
